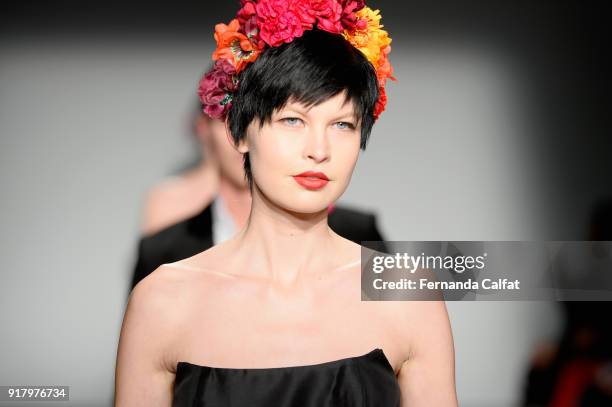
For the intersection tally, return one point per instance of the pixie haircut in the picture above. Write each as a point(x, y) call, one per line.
point(309, 70)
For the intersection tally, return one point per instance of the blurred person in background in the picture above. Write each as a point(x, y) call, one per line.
point(181, 196)
point(576, 371)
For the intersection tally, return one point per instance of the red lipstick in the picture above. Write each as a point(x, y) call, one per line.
point(311, 180)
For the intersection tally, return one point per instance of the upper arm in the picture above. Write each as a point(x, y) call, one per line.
point(427, 377)
point(142, 375)
point(156, 210)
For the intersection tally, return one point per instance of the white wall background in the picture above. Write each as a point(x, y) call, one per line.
point(86, 127)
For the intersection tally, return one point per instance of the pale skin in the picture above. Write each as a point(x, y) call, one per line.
point(285, 291)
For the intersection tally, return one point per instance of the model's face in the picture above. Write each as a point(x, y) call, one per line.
point(324, 139)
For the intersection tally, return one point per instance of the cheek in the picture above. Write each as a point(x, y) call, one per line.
point(276, 152)
point(272, 161)
point(346, 153)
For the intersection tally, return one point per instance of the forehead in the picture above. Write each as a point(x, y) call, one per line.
point(337, 104)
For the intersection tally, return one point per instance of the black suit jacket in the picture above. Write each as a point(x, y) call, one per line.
point(194, 235)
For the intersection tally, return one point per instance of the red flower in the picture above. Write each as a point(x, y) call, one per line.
point(217, 87)
point(304, 11)
point(247, 16)
point(281, 21)
point(379, 107)
point(329, 13)
point(349, 19)
point(354, 5)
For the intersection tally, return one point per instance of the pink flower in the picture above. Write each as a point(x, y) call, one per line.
point(281, 21)
point(329, 13)
point(354, 5)
point(349, 19)
point(246, 13)
point(216, 88)
point(247, 16)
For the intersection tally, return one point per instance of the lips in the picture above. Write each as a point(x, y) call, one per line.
point(311, 180)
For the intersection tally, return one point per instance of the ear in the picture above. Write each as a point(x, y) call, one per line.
point(201, 127)
point(242, 146)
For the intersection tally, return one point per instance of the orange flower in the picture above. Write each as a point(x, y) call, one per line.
point(371, 39)
point(384, 69)
point(234, 46)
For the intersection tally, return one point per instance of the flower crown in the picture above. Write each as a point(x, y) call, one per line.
point(261, 24)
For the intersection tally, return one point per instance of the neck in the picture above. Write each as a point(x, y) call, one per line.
point(237, 200)
point(206, 169)
point(282, 245)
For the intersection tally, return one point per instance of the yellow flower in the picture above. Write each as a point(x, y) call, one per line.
point(369, 38)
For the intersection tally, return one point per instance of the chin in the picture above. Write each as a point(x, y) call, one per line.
point(295, 198)
point(309, 202)
point(307, 207)
point(304, 202)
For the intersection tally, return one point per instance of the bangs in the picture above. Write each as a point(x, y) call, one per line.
point(310, 70)
point(309, 100)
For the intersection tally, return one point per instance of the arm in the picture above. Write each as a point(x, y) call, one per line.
point(427, 377)
point(142, 373)
point(166, 204)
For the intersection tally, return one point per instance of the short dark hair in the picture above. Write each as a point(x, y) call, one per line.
point(310, 69)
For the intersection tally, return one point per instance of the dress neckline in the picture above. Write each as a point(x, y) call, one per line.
point(376, 352)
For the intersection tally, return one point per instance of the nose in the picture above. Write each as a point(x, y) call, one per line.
point(316, 146)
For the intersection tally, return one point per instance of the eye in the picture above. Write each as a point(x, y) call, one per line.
point(346, 125)
point(291, 121)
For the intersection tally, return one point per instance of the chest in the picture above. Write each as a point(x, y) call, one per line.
point(252, 327)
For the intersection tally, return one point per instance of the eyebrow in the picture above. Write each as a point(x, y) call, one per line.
point(352, 115)
point(349, 115)
point(296, 108)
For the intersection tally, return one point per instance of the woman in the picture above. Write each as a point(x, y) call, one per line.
point(273, 316)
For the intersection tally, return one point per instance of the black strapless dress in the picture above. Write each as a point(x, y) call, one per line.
point(360, 381)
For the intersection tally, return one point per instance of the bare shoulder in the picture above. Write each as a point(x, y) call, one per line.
point(425, 321)
point(427, 375)
point(211, 262)
point(162, 287)
point(348, 251)
point(153, 318)
point(182, 282)
point(159, 300)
